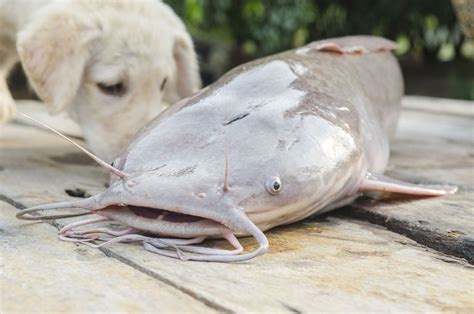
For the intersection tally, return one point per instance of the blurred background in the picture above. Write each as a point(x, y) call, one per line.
point(436, 55)
point(435, 37)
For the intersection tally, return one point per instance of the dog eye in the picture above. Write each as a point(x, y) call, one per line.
point(114, 90)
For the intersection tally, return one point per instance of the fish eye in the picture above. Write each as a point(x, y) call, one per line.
point(117, 89)
point(273, 185)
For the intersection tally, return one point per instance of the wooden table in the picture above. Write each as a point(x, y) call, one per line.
point(401, 255)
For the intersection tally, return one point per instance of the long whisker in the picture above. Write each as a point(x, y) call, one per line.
point(83, 240)
point(112, 169)
point(28, 213)
point(108, 231)
point(66, 228)
point(123, 238)
point(216, 255)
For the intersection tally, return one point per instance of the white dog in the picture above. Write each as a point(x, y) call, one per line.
point(112, 65)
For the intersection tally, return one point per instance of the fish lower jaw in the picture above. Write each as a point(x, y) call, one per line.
point(163, 222)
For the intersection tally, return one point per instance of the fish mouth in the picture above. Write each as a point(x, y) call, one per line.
point(164, 231)
point(161, 214)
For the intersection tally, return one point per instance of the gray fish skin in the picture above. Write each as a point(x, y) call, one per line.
point(319, 121)
point(272, 142)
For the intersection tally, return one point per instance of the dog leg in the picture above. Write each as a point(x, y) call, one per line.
point(7, 104)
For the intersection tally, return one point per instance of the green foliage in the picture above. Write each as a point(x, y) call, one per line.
point(230, 32)
point(427, 29)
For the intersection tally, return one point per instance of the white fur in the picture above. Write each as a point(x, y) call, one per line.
point(68, 47)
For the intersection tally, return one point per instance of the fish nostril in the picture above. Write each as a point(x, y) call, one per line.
point(77, 193)
point(131, 183)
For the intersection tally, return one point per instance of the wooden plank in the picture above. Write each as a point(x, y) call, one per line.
point(426, 159)
point(41, 274)
point(328, 265)
point(332, 264)
point(431, 148)
point(433, 126)
point(39, 167)
point(440, 106)
point(442, 224)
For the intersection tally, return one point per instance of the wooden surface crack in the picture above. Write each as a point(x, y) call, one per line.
point(165, 280)
point(461, 246)
point(130, 263)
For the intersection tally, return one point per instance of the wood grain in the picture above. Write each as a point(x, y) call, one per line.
point(434, 145)
point(331, 263)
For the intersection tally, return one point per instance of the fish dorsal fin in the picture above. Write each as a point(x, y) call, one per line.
point(381, 183)
point(354, 45)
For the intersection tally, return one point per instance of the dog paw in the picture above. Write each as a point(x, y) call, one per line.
point(7, 108)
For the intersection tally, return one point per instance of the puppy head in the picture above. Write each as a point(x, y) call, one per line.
point(111, 65)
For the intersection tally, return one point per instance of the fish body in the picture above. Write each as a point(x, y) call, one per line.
point(272, 142)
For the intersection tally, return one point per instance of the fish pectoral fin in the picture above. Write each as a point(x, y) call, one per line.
point(381, 183)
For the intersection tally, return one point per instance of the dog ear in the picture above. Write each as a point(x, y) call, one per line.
point(53, 51)
point(186, 78)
